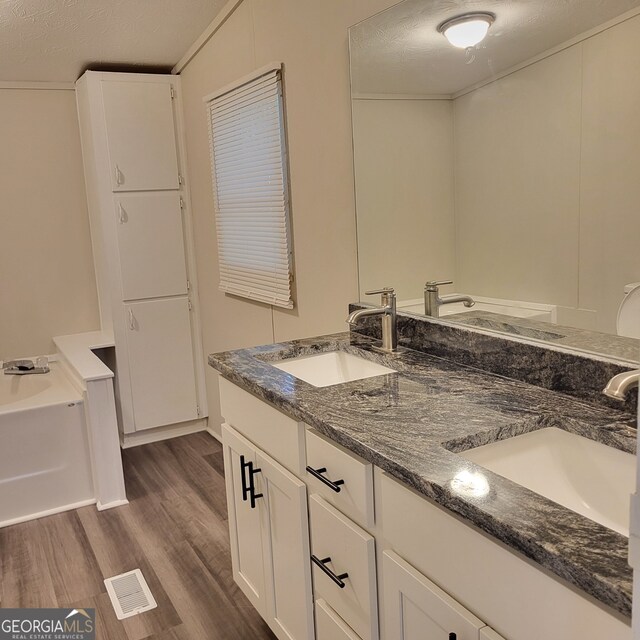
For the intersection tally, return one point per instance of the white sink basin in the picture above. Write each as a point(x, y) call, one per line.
point(585, 476)
point(334, 367)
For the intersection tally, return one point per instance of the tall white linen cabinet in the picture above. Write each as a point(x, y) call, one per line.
point(134, 160)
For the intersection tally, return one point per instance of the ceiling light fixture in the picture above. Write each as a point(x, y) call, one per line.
point(468, 29)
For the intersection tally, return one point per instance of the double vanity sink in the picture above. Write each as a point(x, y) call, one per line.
point(583, 475)
point(545, 474)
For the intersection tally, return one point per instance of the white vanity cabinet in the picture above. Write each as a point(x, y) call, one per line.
point(269, 537)
point(414, 572)
point(134, 159)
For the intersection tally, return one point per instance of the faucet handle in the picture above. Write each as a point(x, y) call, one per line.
point(432, 285)
point(388, 295)
point(383, 291)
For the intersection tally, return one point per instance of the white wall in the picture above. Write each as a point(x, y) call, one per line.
point(404, 193)
point(610, 170)
point(547, 185)
point(47, 283)
point(517, 153)
point(310, 38)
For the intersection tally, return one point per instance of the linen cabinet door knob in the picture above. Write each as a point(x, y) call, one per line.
point(332, 484)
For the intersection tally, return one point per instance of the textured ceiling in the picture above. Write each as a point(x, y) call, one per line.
point(399, 51)
point(55, 40)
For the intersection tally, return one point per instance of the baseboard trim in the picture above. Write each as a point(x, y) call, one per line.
point(136, 439)
point(213, 434)
point(110, 505)
point(47, 512)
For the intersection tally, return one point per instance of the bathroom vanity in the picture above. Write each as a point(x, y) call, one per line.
point(353, 509)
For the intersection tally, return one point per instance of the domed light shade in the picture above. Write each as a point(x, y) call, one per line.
point(467, 30)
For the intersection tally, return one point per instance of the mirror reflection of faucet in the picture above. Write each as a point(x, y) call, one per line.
point(619, 385)
point(433, 301)
point(25, 367)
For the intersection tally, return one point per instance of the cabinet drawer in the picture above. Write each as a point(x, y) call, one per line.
point(345, 549)
point(351, 475)
point(330, 626)
point(280, 436)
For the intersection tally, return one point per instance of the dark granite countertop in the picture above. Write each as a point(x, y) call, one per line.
point(412, 423)
point(607, 344)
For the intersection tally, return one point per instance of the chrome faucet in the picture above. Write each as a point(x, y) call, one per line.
point(25, 367)
point(389, 318)
point(433, 301)
point(619, 385)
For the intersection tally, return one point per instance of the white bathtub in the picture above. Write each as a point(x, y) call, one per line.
point(44, 451)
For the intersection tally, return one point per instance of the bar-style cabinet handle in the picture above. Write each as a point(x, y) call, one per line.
point(332, 484)
point(252, 486)
point(322, 564)
point(243, 479)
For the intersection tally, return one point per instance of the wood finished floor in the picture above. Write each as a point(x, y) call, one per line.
point(174, 529)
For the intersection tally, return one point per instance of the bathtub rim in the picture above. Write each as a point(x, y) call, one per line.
point(62, 392)
point(47, 512)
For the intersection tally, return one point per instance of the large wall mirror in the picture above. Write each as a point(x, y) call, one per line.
point(511, 167)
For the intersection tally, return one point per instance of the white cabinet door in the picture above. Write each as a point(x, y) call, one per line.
point(140, 135)
point(269, 535)
point(151, 245)
point(286, 549)
point(161, 364)
point(244, 518)
point(417, 609)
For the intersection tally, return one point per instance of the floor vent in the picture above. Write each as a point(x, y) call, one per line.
point(130, 594)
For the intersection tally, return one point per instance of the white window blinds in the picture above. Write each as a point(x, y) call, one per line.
point(249, 166)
